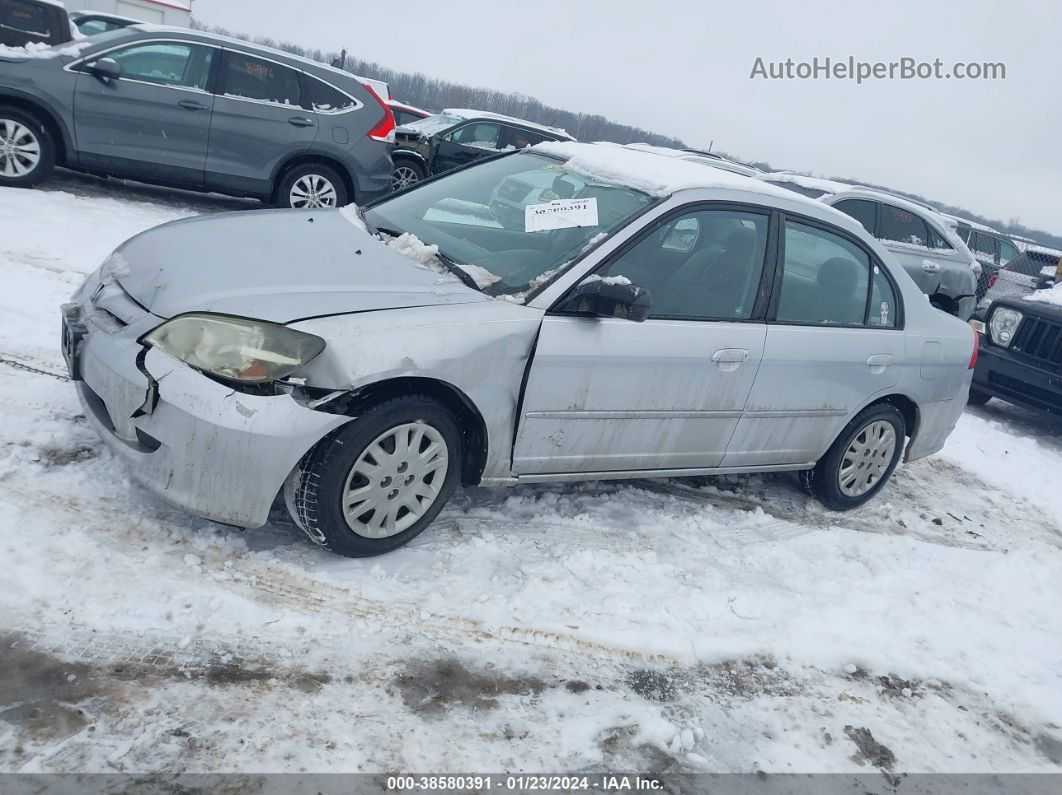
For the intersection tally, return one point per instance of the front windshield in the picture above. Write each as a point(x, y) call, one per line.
point(479, 218)
point(432, 124)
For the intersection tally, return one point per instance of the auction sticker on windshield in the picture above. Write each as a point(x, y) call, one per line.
point(560, 214)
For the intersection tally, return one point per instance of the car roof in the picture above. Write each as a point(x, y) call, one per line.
point(468, 114)
point(813, 183)
point(696, 156)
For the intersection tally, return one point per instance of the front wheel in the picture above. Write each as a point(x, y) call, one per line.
point(27, 152)
point(406, 173)
point(312, 186)
point(380, 480)
point(861, 461)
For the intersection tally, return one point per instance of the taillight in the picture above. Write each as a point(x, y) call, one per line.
point(976, 348)
point(992, 280)
point(385, 129)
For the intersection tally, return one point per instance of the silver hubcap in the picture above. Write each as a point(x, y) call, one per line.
point(312, 191)
point(20, 151)
point(403, 177)
point(395, 480)
point(867, 458)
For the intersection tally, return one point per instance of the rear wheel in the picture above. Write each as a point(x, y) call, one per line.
point(312, 186)
point(380, 480)
point(405, 174)
point(27, 152)
point(861, 461)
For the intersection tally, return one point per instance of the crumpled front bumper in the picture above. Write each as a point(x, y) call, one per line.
point(205, 447)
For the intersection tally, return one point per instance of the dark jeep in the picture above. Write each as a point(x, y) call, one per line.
point(457, 137)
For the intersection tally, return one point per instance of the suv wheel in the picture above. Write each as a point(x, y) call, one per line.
point(380, 480)
point(406, 173)
point(312, 186)
point(861, 461)
point(27, 153)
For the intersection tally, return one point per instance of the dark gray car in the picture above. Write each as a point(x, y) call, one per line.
point(194, 110)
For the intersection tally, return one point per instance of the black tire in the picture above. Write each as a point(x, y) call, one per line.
point(977, 397)
point(312, 173)
point(406, 173)
point(823, 482)
point(314, 492)
point(36, 133)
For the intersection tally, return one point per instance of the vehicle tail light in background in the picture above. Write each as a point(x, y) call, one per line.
point(385, 128)
point(992, 280)
point(977, 346)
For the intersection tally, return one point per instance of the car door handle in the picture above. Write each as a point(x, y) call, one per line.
point(191, 104)
point(929, 266)
point(300, 121)
point(730, 359)
point(878, 362)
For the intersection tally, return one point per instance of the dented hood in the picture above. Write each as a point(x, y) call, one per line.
point(277, 265)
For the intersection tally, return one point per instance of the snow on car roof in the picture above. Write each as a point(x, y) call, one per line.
point(812, 183)
point(655, 175)
point(707, 158)
point(468, 113)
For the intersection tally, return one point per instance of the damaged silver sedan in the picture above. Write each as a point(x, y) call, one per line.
point(567, 312)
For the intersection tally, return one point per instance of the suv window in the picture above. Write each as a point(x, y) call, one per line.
point(703, 265)
point(862, 210)
point(478, 134)
point(983, 244)
point(825, 278)
point(902, 226)
point(937, 241)
point(166, 63)
point(248, 77)
point(27, 17)
point(1007, 252)
point(521, 138)
point(326, 99)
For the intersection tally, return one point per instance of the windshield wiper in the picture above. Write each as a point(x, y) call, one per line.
point(454, 268)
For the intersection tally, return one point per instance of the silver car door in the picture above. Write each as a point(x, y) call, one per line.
point(605, 394)
point(835, 342)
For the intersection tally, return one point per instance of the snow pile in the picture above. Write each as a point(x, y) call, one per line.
point(411, 246)
point(352, 213)
point(653, 174)
point(39, 50)
point(1052, 296)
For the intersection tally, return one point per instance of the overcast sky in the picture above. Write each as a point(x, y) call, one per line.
point(682, 68)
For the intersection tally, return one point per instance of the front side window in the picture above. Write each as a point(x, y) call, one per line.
point(520, 138)
point(902, 226)
point(1007, 252)
point(479, 135)
point(825, 278)
point(167, 63)
point(862, 210)
point(704, 265)
point(483, 220)
point(248, 77)
point(327, 99)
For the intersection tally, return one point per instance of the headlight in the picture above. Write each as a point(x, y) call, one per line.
point(1002, 326)
point(251, 351)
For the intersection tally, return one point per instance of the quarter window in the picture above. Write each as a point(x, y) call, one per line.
point(863, 211)
point(326, 99)
point(479, 135)
point(883, 310)
point(166, 63)
point(902, 226)
point(825, 278)
point(937, 241)
point(254, 78)
point(703, 265)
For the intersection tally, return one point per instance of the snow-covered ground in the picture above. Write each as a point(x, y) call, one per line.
point(726, 625)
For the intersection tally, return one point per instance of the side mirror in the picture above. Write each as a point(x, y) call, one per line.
point(104, 69)
point(613, 296)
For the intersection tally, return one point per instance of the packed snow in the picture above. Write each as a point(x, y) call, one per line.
point(1051, 296)
point(726, 624)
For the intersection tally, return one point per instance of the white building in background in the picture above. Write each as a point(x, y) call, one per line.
point(159, 12)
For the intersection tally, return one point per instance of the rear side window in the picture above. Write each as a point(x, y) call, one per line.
point(479, 135)
point(902, 226)
point(326, 99)
point(825, 278)
point(27, 17)
point(983, 244)
point(247, 77)
point(863, 211)
point(166, 63)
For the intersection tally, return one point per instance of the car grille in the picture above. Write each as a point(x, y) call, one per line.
point(1039, 339)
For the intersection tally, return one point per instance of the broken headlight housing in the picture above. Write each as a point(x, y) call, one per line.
point(234, 348)
point(1003, 325)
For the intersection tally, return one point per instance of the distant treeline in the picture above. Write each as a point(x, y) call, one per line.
point(433, 94)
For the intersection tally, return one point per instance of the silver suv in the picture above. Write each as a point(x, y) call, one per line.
point(194, 110)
